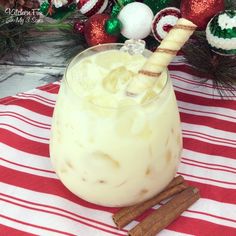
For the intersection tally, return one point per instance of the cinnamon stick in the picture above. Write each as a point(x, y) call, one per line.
point(177, 180)
point(128, 214)
point(166, 214)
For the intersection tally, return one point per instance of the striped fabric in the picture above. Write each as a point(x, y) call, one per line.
point(34, 202)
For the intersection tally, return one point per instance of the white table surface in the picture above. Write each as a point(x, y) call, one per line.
point(40, 67)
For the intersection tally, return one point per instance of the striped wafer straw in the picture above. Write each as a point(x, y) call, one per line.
point(161, 57)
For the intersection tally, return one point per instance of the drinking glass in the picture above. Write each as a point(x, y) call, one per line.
point(114, 156)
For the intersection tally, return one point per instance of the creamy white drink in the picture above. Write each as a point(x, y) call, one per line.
point(109, 148)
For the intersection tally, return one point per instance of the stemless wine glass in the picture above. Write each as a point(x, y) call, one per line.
point(114, 156)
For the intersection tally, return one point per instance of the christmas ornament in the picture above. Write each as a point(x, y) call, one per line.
point(59, 3)
point(157, 5)
point(91, 7)
point(44, 7)
point(113, 26)
point(200, 11)
point(163, 21)
point(118, 6)
point(94, 30)
point(136, 19)
point(221, 33)
point(49, 10)
point(79, 26)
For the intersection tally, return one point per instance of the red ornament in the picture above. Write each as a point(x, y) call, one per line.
point(201, 11)
point(91, 7)
point(94, 30)
point(79, 26)
point(164, 21)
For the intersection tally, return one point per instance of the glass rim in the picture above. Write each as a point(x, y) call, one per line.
point(73, 60)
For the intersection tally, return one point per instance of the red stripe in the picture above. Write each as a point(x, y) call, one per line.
point(199, 227)
point(220, 194)
point(215, 216)
point(35, 226)
point(33, 106)
point(201, 83)
point(174, 68)
point(209, 168)
point(211, 114)
point(208, 121)
point(62, 215)
point(45, 185)
point(23, 144)
point(210, 179)
point(208, 148)
point(50, 88)
point(194, 79)
point(217, 140)
point(36, 96)
point(25, 119)
point(28, 167)
point(222, 167)
point(183, 67)
point(199, 92)
point(8, 231)
point(7, 100)
point(21, 131)
point(195, 83)
point(62, 210)
point(198, 100)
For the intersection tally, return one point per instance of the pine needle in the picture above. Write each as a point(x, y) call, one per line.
point(75, 43)
point(212, 66)
point(12, 35)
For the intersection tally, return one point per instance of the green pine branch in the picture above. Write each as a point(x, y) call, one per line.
point(230, 4)
point(16, 39)
point(211, 66)
point(12, 35)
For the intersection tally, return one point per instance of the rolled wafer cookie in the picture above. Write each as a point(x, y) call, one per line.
point(161, 57)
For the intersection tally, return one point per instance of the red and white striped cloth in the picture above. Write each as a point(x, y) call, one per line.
point(34, 202)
